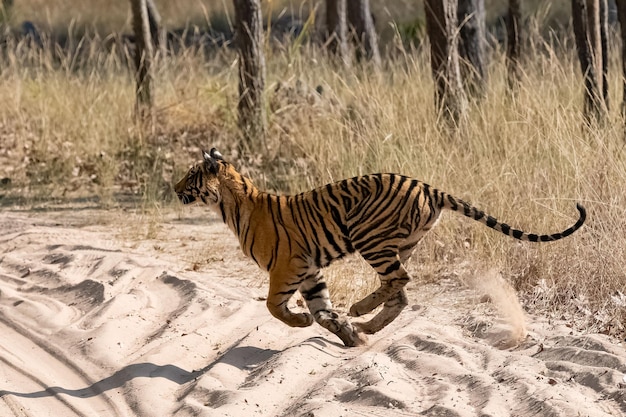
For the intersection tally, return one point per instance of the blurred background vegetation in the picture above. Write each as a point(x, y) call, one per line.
point(107, 16)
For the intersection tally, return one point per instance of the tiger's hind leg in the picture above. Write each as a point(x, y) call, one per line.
point(393, 278)
point(315, 293)
point(393, 306)
point(391, 309)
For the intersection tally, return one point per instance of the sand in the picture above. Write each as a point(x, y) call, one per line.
point(110, 313)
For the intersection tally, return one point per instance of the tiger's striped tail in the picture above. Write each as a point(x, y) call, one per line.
point(472, 212)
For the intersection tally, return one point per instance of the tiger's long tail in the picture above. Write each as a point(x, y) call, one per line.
point(472, 212)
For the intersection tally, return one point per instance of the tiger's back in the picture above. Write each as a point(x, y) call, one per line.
point(380, 216)
point(364, 214)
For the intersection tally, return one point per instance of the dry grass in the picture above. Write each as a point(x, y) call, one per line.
point(68, 132)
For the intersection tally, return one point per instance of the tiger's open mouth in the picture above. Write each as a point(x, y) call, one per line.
point(186, 198)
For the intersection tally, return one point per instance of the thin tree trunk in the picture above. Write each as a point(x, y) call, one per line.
point(471, 21)
point(337, 29)
point(594, 36)
point(450, 99)
point(621, 14)
point(249, 38)
point(156, 31)
point(363, 30)
point(604, 45)
point(143, 58)
point(513, 48)
point(587, 34)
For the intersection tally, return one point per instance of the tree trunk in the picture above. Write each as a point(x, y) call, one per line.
point(595, 38)
point(249, 39)
point(621, 14)
point(143, 58)
point(156, 31)
point(450, 99)
point(363, 30)
point(586, 21)
point(471, 21)
point(604, 45)
point(513, 49)
point(337, 29)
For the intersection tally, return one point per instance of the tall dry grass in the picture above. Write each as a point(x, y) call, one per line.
point(68, 132)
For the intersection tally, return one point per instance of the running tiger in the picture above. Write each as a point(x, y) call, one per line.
point(381, 216)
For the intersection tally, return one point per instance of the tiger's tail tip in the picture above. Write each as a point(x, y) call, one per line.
point(582, 211)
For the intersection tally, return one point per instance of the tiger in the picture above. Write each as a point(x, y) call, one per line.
point(293, 237)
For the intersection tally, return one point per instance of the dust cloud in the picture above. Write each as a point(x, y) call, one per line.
point(504, 298)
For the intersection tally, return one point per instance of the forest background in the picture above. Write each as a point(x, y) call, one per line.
point(68, 132)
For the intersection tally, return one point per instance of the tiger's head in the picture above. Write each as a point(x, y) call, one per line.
point(201, 181)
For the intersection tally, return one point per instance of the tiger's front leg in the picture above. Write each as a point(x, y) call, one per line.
point(315, 293)
point(280, 293)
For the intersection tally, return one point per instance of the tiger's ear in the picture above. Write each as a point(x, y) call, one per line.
point(210, 162)
point(215, 154)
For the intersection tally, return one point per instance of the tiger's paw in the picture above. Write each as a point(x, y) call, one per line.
point(358, 309)
point(299, 320)
point(302, 320)
point(365, 327)
point(353, 312)
point(350, 336)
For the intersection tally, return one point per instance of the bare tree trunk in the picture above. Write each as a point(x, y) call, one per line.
point(363, 30)
point(595, 40)
point(604, 46)
point(249, 38)
point(586, 22)
point(337, 29)
point(513, 48)
point(143, 58)
point(450, 99)
point(156, 30)
point(471, 21)
point(621, 14)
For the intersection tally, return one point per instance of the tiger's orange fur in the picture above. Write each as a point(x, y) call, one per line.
point(381, 216)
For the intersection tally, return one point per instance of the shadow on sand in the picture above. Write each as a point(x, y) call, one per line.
point(241, 357)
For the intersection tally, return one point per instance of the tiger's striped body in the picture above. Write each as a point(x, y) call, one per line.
point(380, 216)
